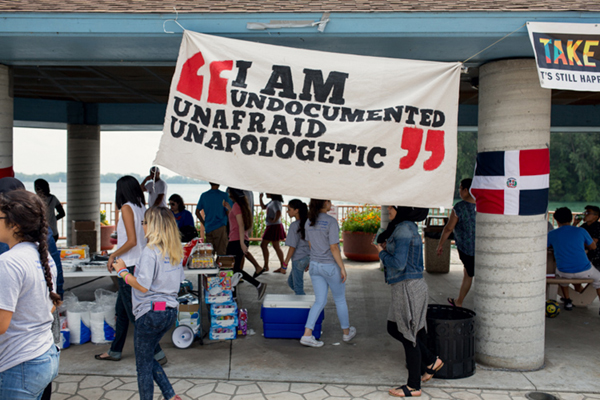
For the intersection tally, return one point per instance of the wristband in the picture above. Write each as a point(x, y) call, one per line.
point(127, 283)
point(121, 274)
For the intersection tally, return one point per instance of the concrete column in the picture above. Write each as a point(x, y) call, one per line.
point(510, 251)
point(6, 123)
point(83, 176)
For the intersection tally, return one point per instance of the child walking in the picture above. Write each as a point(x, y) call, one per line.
point(274, 232)
point(155, 286)
point(298, 248)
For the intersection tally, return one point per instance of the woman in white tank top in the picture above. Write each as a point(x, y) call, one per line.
point(130, 243)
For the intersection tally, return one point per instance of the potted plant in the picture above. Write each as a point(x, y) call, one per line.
point(358, 232)
point(105, 231)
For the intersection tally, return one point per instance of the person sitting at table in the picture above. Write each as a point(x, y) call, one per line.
point(184, 218)
point(569, 244)
point(592, 226)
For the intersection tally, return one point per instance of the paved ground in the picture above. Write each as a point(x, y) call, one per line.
point(80, 387)
point(253, 367)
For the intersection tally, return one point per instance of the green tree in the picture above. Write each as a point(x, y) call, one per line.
point(467, 155)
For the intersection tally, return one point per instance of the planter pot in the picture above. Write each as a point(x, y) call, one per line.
point(105, 242)
point(358, 246)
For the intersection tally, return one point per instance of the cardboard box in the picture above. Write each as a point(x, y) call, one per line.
point(84, 232)
point(223, 297)
point(224, 321)
point(75, 252)
point(223, 309)
point(83, 225)
point(226, 262)
point(214, 283)
point(218, 333)
point(188, 313)
point(86, 237)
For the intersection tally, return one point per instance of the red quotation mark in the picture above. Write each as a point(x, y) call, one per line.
point(191, 84)
point(412, 138)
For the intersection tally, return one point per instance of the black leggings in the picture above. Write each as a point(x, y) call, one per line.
point(417, 357)
point(235, 249)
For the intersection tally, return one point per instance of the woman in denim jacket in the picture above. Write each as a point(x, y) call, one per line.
point(401, 252)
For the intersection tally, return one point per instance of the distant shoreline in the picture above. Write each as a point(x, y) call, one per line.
point(104, 178)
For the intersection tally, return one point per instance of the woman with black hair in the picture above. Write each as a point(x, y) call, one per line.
point(401, 253)
point(28, 357)
point(54, 210)
point(184, 218)
point(240, 218)
point(274, 232)
point(327, 270)
point(131, 241)
point(298, 248)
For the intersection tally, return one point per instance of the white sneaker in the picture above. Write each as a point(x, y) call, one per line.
point(350, 334)
point(310, 341)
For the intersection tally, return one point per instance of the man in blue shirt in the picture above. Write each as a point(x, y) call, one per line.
point(569, 244)
point(216, 205)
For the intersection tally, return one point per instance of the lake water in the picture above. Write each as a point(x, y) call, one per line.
point(191, 193)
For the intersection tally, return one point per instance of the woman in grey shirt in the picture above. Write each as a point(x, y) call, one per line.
point(326, 270)
point(155, 284)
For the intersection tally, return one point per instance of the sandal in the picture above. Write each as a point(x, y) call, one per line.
point(281, 270)
point(257, 274)
point(108, 358)
point(451, 301)
point(433, 370)
point(406, 392)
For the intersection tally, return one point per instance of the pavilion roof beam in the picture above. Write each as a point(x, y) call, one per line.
point(123, 84)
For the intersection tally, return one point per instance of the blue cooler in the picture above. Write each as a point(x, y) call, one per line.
point(284, 316)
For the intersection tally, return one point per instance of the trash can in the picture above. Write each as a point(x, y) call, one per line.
point(451, 336)
point(433, 232)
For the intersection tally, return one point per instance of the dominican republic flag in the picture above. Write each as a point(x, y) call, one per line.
point(512, 182)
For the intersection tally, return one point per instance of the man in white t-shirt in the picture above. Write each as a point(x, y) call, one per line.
point(156, 188)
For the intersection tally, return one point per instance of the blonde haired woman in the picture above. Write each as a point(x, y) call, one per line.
point(156, 284)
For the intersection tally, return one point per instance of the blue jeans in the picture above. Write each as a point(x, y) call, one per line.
point(324, 276)
point(124, 311)
point(296, 278)
point(149, 329)
point(29, 379)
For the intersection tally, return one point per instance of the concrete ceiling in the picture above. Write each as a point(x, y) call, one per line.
point(59, 59)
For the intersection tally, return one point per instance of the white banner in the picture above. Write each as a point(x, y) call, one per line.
point(567, 55)
point(312, 124)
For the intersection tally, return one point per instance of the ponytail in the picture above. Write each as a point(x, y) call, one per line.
point(43, 252)
point(314, 209)
point(27, 212)
point(302, 215)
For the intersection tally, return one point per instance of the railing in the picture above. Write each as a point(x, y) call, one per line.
point(342, 211)
point(106, 206)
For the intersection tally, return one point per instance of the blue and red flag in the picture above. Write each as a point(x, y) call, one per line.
point(512, 182)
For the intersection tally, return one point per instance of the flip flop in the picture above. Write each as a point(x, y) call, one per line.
point(451, 301)
point(257, 274)
point(432, 371)
point(406, 392)
point(281, 270)
point(109, 358)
